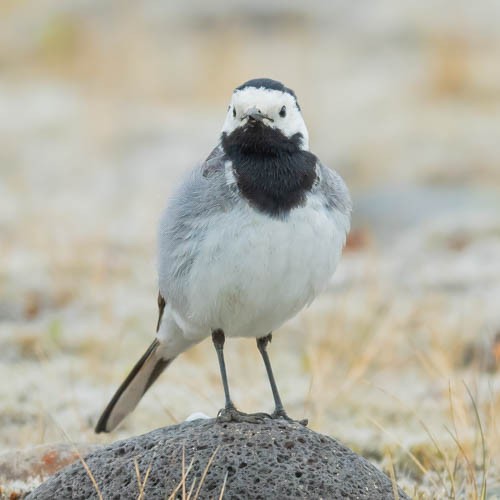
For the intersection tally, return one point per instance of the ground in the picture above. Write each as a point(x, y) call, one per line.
point(101, 111)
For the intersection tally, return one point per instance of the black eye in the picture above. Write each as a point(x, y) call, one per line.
point(283, 112)
point(234, 112)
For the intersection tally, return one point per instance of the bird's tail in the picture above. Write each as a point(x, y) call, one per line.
point(138, 381)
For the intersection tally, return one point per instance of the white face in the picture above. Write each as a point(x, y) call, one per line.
point(279, 109)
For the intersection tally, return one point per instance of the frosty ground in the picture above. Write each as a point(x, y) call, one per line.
point(398, 358)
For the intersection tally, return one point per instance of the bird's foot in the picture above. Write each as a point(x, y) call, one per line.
point(281, 413)
point(231, 414)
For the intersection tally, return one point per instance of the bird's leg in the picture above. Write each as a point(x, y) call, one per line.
point(279, 410)
point(262, 346)
point(218, 338)
point(229, 413)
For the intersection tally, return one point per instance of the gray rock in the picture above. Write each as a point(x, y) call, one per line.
point(276, 459)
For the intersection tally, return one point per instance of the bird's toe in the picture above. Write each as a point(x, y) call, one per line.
point(231, 414)
point(284, 416)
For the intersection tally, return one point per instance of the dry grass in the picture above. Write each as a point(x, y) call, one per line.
point(388, 379)
point(397, 362)
point(438, 433)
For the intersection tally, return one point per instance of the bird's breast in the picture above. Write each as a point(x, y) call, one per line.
point(253, 271)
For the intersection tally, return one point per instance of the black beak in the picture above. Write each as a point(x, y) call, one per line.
point(254, 115)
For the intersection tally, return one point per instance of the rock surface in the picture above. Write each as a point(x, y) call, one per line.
point(276, 459)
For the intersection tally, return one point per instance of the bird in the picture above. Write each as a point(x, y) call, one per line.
point(248, 239)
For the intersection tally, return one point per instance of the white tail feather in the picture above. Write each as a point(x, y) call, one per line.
point(130, 392)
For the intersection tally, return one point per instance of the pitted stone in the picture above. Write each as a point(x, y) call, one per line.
point(276, 459)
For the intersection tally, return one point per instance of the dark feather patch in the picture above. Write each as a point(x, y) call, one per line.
point(272, 172)
point(161, 308)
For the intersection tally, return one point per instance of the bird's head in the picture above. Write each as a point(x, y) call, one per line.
point(264, 117)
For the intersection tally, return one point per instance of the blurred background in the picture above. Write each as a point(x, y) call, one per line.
point(103, 106)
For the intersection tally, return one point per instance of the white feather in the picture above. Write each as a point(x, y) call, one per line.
point(270, 103)
point(254, 272)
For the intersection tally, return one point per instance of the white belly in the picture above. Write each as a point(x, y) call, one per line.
point(253, 272)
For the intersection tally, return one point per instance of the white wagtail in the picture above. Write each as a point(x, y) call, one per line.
point(249, 239)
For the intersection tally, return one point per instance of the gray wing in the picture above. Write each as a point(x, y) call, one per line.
point(332, 188)
point(202, 195)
